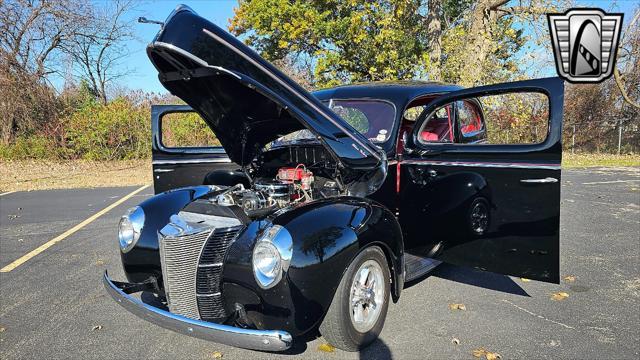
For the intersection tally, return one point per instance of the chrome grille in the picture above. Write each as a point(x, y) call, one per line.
point(179, 256)
point(209, 293)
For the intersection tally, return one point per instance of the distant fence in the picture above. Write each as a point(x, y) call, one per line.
point(606, 138)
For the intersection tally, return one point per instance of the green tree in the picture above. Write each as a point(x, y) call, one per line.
point(345, 41)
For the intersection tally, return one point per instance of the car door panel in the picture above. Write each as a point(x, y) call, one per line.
point(516, 186)
point(179, 167)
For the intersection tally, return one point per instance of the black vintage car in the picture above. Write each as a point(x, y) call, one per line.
point(317, 208)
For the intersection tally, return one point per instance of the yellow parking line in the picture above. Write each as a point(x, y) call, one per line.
point(66, 234)
point(7, 193)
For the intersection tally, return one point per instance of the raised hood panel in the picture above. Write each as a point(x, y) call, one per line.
point(247, 102)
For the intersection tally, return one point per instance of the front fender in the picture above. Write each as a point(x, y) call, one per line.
point(143, 261)
point(327, 235)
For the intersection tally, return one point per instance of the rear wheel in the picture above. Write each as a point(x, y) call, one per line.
point(359, 307)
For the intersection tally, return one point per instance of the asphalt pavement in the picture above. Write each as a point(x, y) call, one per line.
point(54, 306)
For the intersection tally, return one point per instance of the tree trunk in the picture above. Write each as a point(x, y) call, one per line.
point(434, 36)
point(479, 40)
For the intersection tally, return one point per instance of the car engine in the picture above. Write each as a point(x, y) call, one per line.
point(291, 185)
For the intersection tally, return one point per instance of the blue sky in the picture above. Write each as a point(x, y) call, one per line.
point(144, 76)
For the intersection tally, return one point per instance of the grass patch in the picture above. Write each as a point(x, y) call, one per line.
point(599, 160)
point(26, 175)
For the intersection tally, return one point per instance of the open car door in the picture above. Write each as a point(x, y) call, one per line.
point(494, 204)
point(184, 149)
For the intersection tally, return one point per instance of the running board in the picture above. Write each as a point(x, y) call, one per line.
point(417, 266)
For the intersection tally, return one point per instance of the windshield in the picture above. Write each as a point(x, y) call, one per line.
point(372, 118)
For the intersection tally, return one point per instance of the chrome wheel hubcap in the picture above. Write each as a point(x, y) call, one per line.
point(367, 296)
point(479, 218)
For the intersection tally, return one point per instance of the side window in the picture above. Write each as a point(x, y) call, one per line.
point(469, 119)
point(186, 130)
point(438, 128)
point(515, 118)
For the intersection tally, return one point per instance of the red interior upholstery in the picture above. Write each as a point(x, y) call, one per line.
point(469, 128)
point(429, 136)
point(436, 130)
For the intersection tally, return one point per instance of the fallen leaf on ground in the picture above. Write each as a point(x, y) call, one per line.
point(559, 296)
point(482, 352)
point(217, 355)
point(524, 280)
point(479, 352)
point(455, 341)
point(99, 262)
point(569, 278)
point(2, 329)
point(326, 348)
point(97, 327)
point(457, 307)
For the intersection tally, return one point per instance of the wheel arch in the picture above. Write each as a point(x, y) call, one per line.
point(327, 235)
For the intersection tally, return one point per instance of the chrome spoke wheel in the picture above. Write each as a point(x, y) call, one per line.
point(367, 296)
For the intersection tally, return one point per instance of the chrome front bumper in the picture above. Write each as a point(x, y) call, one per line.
point(264, 340)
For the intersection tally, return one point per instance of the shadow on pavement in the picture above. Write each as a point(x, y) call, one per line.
point(478, 278)
point(377, 350)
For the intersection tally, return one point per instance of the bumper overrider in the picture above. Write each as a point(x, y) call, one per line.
point(264, 340)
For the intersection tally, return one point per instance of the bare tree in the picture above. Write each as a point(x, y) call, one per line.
point(33, 31)
point(628, 59)
point(35, 35)
point(100, 49)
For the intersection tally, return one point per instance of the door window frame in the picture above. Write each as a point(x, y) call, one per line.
point(545, 86)
point(158, 112)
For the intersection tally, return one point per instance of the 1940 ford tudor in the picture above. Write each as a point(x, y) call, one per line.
point(317, 208)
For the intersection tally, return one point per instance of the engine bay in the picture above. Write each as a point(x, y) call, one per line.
point(282, 177)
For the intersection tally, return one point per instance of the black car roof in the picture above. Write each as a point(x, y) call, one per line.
point(398, 92)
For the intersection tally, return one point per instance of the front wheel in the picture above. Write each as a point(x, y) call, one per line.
point(359, 307)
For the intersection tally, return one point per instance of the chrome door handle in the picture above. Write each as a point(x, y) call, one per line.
point(548, 180)
point(162, 170)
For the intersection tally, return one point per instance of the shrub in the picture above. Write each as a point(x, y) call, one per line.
point(30, 147)
point(117, 130)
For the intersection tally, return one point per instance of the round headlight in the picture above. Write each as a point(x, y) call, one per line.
point(271, 256)
point(130, 228)
point(266, 259)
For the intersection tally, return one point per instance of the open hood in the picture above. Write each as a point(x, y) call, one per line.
point(248, 103)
